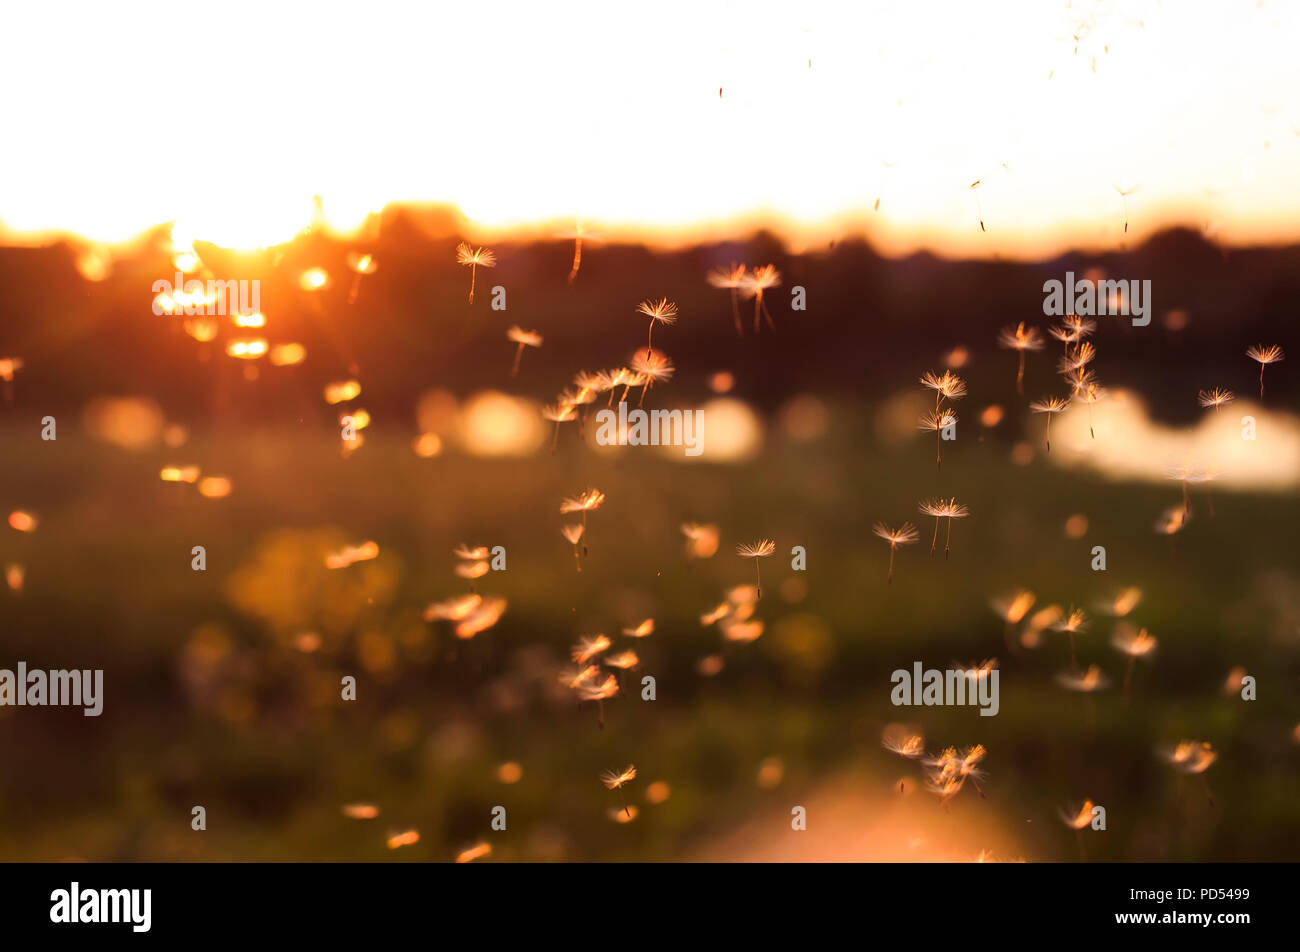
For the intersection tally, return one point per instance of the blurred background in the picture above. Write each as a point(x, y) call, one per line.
point(917, 171)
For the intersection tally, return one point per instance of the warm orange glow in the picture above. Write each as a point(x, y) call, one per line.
point(857, 130)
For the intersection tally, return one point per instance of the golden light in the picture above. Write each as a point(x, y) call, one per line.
point(23, 521)
point(427, 445)
point(288, 355)
point(1217, 146)
point(255, 319)
point(247, 348)
point(342, 391)
point(510, 773)
point(15, 574)
point(405, 838)
point(214, 487)
point(360, 811)
point(362, 264)
point(313, 279)
point(179, 474)
point(202, 329)
point(497, 424)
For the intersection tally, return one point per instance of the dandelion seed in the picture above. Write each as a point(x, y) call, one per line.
point(1050, 406)
point(342, 391)
point(1218, 397)
point(1023, 340)
point(910, 746)
point(753, 284)
point(1123, 193)
point(1073, 329)
point(651, 367)
point(487, 614)
point(1078, 818)
point(1076, 622)
point(588, 647)
point(643, 630)
point(946, 386)
point(624, 660)
point(350, 555)
point(472, 570)
point(575, 678)
point(1123, 603)
point(661, 311)
point(558, 413)
point(1190, 756)
point(474, 259)
point(739, 630)
point(1088, 395)
point(584, 503)
point(1088, 682)
point(758, 550)
point(1133, 643)
point(572, 532)
point(905, 534)
point(523, 338)
point(941, 508)
point(1076, 357)
point(617, 780)
point(937, 423)
point(731, 278)
point(453, 609)
point(979, 206)
point(579, 234)
point(1264, 355)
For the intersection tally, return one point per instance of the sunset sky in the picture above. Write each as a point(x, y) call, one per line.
point(536, 115)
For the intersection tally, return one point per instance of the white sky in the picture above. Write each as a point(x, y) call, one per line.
point(230, 117)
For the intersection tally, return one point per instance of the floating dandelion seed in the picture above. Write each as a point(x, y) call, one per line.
point(1022, 339)
point(487, 614)
point(8, 367)
point(1050, 406)
point(453, 609)
point(1218, 397)
point(1190, 756)
point(1076, 622)
point(941, 508)
point(599, 693)
point(903, 744)
point(558, 413)
point(572, 532)
point(651, 367)
point(759, 550)
point(1073, 329)
point(905, 534)
point(618, 780)
point(574, 678)
point(1078, 818)
point(588, 647)
point(1086, 683)
point(1123, 193)
point(351, 554)
point(731, 278)
point(1133, 643)
point(979, 206)
point(1075, 357)
point(753, 284)
point(937, 422)
point(474, 259)
point(624, 660)
point(1264, 356)
point(946, 386)
point(643, 630)
point(662, 311)
point(579, 234)
point(1089, 394)
point(523, 338)
point(1186, 475)
point(584, 503)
